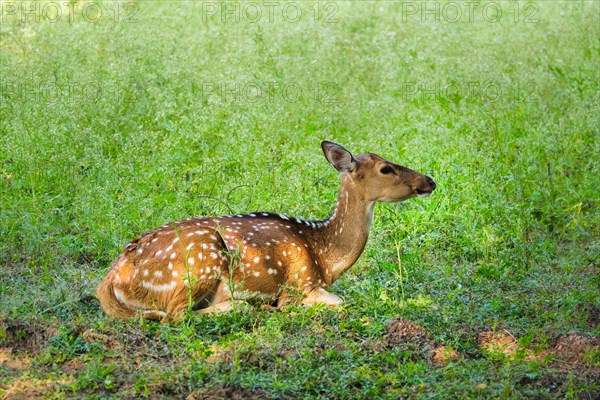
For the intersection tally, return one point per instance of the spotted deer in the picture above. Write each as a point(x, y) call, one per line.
point(208, 263)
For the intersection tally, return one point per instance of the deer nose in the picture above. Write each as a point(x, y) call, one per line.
point(431, 183)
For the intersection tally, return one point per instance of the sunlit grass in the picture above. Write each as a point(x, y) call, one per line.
point(112, 128)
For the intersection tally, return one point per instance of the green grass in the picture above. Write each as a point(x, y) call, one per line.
point(112, 128)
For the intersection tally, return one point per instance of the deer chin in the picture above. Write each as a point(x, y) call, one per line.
point(395, 200)
point(423, 193)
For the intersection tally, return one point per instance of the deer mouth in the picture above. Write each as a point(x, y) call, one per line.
point(423, 193)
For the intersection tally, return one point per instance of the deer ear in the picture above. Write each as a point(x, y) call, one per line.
point(338, 156)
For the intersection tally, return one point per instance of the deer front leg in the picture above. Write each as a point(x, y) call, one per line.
point(219, 301)
point(222, 307)
point(322, 296)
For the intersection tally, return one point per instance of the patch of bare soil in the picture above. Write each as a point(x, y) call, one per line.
point(31, 388)
point(409, 336)
point(569, 349)
point(229, 392)
point(110, 342)
point(442, 355)
point(13, 361)
point(73, 367)
point(225, 356)
point(506, 344)
point(134, 343)
point(400, 331)
point(497, 342)
point(260, 358)
point(573, 346)
point(25, 337)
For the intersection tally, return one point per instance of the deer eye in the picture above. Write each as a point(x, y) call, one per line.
point(386, 170)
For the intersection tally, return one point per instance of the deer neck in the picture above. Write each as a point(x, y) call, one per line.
point(343, 235)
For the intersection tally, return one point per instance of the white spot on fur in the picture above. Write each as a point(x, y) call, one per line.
point(120, 296)
point(159, 288)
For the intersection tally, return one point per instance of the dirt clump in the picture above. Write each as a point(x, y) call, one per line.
point(25, 337)
point(411, 340)
point(573, 346)
point(495, 342)
point(567, 349)
point(93, 336)
point(13, 361)
point(400, 331)
point(73, 367)
point(442, 355)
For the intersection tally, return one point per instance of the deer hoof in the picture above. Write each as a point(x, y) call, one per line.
point(322, 296)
